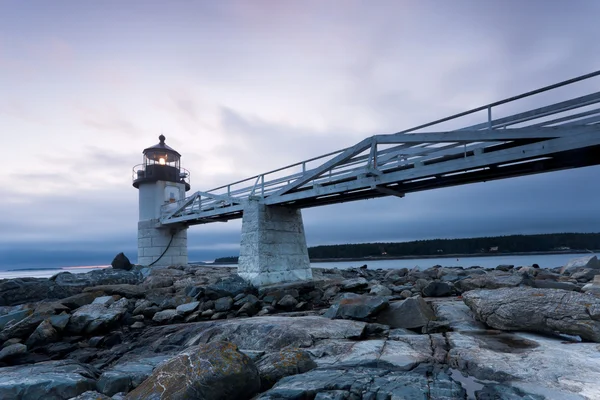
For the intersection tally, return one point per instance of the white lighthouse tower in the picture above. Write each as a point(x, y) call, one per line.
point(161, 182)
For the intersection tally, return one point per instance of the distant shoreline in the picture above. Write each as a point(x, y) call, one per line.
point(434, 256)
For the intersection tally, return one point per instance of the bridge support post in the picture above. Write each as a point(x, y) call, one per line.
point(153, 242)
point(273, 248)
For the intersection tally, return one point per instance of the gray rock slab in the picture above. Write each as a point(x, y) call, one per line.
point(534, 363)
point(127, 375)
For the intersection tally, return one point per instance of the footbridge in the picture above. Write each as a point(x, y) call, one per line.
point(505, 139)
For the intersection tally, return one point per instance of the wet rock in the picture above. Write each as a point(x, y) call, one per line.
point(51, 380)
point(437, 289)
point(43, 334)
point(12, 349)
point(412, 313)
point(504, 392)
point(275, 366)
point(537, 310)
point(357, 307)
point(212, 371)
point(121, 262)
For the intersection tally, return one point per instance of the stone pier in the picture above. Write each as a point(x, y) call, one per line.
point(273, 247)
point(152, 242)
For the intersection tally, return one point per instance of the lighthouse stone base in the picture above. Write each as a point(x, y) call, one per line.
point(273, 247)
point(152, 242)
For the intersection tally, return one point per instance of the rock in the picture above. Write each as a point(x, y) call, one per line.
point(511, 358)
point(137, 325)
point(23, 328)
point(354, 284)
point(581, 263)
point(81, 299)
point(547, 284)
point(104, 300)
point(287, 302)
point(505, 267)
point(366, 383)
point(437, 289)
point(275, 366)
point(125, 376)
point(60, 322)
point(167, 316)
point(43, 334)
point(223, 304)
point(96, 317)
point(14, 317)
point(331, 292)
point(51, 380)
point(211, 371)
point(91, 395)
point(23, 290)
point(124, 290)
point(457, 314)
point(230, 286)
point(380, 290)
point(490, 281)
point(187, 308)
point(356, 307)
point(12, 349)
point(121, 262)
point(412, 313)
point(537, 310)
point(585, 274)
point(504, 392)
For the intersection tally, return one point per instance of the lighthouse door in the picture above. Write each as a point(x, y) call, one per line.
point(171, 194)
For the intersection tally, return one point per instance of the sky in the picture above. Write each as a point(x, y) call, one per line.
point(240, 88)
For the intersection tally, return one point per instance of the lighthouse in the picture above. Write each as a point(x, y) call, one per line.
point(161, 183)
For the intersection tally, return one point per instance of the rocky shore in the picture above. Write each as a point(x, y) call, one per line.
point(198, 332)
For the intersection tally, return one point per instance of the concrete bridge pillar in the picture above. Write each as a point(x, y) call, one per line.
point(273, 247)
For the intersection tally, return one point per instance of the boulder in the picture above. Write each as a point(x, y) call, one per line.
point(14, 317)
point(357, 307)
point(42, 335)
point(12, 349)
point(187, 308)
point(437, 289)
point(223, 304)
point(50, 380)
point(353, 284)
point(121, 289)
point(23, 328)
point(581, 263)
point(275, 366)
point(167, 316)
point(96, 317)
point(121, 262)
point(537, 310)
point(380, 290)
point(229, 286)
point(412, 313)
point(287, 302)
point(214, 371)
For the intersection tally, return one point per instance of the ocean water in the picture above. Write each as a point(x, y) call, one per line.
point(544, 261)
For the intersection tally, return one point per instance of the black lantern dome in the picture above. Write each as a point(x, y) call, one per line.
point(161, 163)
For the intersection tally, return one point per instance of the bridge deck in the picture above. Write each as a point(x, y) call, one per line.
point(561, 135)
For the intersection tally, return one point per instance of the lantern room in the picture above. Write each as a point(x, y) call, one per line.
point(161, 163)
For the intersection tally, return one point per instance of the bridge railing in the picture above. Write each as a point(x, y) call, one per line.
point(372, 157)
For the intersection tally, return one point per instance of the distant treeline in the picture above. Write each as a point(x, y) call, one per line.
point(491, 245)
